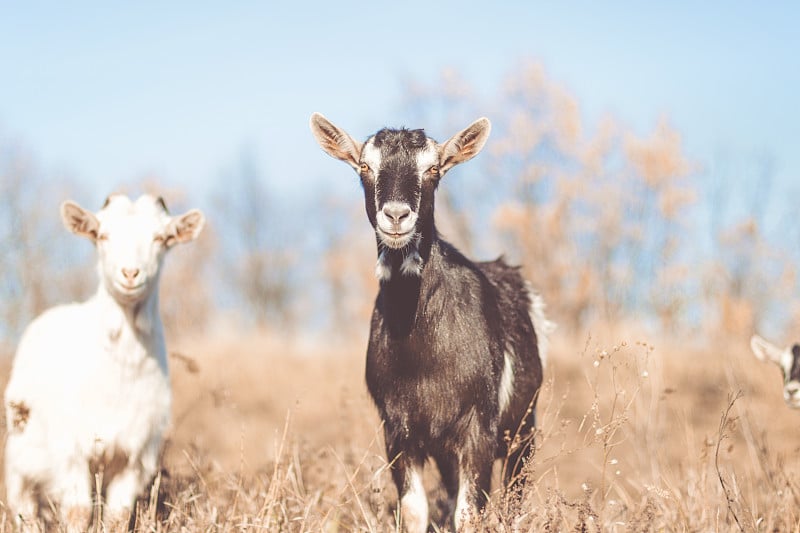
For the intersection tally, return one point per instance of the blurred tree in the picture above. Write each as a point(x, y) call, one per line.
point(41, 264)
point(751, 282)
point(594, 217)
point(258, 251)
point(445, 108)
point(349, 251)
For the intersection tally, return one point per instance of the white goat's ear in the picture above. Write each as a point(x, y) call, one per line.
point(185, 228)
point(765, 350)
point(336, 142)
point(79, 221)
point(464, 145)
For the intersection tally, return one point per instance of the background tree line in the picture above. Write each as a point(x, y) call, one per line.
point(610, 224)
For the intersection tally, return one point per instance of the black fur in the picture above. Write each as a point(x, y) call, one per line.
point(794, 374)
point(437, 342)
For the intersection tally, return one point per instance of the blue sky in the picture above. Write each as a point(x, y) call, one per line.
point(109, 92)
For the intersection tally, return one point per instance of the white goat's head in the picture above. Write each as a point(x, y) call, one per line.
point(400, 170)
point(788, 359)
point(131, 240)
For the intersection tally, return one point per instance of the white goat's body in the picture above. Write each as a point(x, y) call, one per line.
point(91, 393)
point(89, 400)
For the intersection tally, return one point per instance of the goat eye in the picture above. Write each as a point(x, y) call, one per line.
point(160, 239)
point(102, 237)
point(434, 170)
point(364, 168)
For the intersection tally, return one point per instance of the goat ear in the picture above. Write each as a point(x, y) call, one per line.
point(765, 350)
point(464, 145)
point(336, 142)
point(79, 221)
point(185, 228)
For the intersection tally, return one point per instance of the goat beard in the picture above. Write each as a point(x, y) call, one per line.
point(406, 260)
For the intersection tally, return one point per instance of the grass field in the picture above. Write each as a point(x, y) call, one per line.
point(635, 434)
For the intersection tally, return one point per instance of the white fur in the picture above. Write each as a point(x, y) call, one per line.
point(392, 234)
point(93, 376)
point(506, 383)
point(412, 264)
point(414, 503)
point(465, 511)
point(382, 271)
point(541, 325)
point(427, 158)
point(371, 155)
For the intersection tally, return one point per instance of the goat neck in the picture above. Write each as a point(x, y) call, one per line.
point(132, 330)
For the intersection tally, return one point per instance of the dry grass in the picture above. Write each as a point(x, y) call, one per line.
point(634, 436)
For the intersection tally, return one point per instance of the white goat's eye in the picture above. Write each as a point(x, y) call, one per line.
point(160, 239)
point(102, 237)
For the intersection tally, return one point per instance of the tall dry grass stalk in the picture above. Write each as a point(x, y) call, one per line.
point(633, 435)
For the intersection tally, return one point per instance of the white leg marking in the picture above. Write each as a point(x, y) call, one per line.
point(74, 491)
point(465, 511)
point(414, 503)
point(121, 495)
point(506, 383)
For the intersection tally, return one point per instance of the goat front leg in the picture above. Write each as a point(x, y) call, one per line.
point(407, 476)
point(474, 482)
point(121, 495)
point(75, 497)
point(21, 499)
point(448, 469)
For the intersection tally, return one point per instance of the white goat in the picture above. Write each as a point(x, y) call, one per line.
point(788, 359)
point(89, 391)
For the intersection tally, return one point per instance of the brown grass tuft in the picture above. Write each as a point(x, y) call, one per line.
point(632, 435)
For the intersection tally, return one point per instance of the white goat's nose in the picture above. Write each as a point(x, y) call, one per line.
point(396, 212)
point(130, 273)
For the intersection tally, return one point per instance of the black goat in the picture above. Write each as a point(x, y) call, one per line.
point(455, 348)
point(788, 359)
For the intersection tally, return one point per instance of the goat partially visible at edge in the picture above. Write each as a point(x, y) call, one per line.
point(788, 359)
point(455, 353)
point(89, 390)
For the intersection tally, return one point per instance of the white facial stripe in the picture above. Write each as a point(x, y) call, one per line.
point(426, 158)
point(371, 156)
point(414, 503)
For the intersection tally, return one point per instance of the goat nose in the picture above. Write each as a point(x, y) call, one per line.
point(396, 212)
point(130, 273)
point(792, 389)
